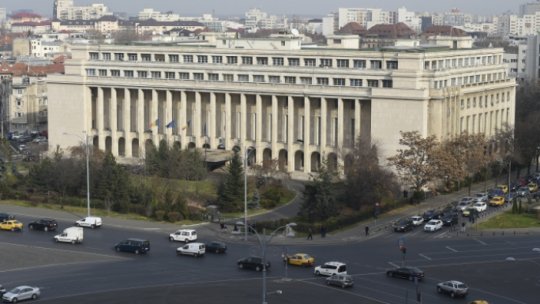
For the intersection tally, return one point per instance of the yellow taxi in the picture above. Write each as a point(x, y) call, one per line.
point(533, 187)
point(497, 201)
point(11, 225)
point(479, 302)
point(504, 188)
point(300, 259)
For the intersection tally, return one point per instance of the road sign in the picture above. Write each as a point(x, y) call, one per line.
point(401, 242)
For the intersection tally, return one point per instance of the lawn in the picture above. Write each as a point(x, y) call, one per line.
point(511, 220)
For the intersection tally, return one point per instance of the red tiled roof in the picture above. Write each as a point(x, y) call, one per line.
point(23, 15)
point(399, 30)
point(352, 28)
point(445, 30)
point(20, 69)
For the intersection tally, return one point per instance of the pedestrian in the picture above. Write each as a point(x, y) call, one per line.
point(323, 231)
point(463, 227)
point(367, 230)
point(285, 259)
point(310, 234)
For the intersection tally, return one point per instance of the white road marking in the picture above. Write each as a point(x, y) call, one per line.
point(441, 235)
point(451, 249)
point(425, 257)
point(481, 242)
point(393, 264)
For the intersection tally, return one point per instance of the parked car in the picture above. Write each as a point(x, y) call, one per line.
point(450, 219)
point(479, 302)
point(43, 224)
point(5, 217)
point(479, 206)
point(73, 235)
point(482, 197)
point(510, 197)
point(21, 293)
point(216, 247)
point(341, 280)
point(453, 288)
point(403, 225)
point(407, 272)
point(2, 290)
point(504, 188)
point(431, 214)
point(89, 221)
point(523, 192)
point(495, 192)
point(137, 246)
point(183, 235)
point(331, 268)
point(417, 220)
point(433, 225)
point(300, 259)
point(496, 201)
point(533, 187)
point(463, 205)
point(194, 249)
point(252, 262)
point(11, 225)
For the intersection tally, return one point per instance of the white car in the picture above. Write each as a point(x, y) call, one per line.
point(479, 206)
point(73, 235)
point(433, 225)
point(194, 249)
point(462, 205)
point(183, 235)
point(417, 220)
point(21, 293)
point(331, 268)
point(481, 197)
point(90, 221)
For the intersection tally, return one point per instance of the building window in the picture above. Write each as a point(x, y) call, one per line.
point(19, 114)
point(202, 59)
point(19, 103)
point(356, 82)
point(322, 81)
point(343, 63)
point(213, 76)
point(128, 74)
point(262, 60)
point(102, 73)
point(132, 57)
point(376, 64)
point(228, 77)
point(243, 77)
point(183, 75)
point(387, 83)
point(306, 80)
point(392, 65)
point(217, 59)
point(359, 64)
point(94, 56)
point(247, 60)
point(198, 76)
point(159, 57)
point(325, 62)
point(156, 74)
point(188, 58)
point(310, 62)
point(290, 79)
point(277, 61)
point(274, 79)
point(119, 56)
point(294, 61)
point(169, 75)
point(174, 58)
point(146, 57)
point(106, 56)
point(90, 72)
point(258, 78)
point(373, 83)
point(232, 60)
point(115, 73)
point(339, 81)
point(142, 74)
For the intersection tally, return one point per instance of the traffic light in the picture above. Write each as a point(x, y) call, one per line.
point(403, 249)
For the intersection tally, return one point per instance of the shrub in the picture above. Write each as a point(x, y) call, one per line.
point(159, 215)
point(174, 216)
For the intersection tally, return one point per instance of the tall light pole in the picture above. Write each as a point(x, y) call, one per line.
point(247, 151)
point(87, 156)
point(263, 243)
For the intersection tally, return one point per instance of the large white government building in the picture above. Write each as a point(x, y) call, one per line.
point(295, 104)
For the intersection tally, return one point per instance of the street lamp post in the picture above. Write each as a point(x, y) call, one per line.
point(87, 154)
point(263, 243)
point(247, 152)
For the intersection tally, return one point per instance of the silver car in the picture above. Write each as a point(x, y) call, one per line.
point(2, 290)
point(453, 288)
point(341, 280)
point(21, 293)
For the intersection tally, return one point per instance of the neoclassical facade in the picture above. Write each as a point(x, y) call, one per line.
point(294, 104)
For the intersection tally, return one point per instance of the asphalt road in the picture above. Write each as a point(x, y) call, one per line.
point(93, 272)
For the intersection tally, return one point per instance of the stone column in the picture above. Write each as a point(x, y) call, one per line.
point(211, 121)
point(140, 122)
point(340, 124)
point(275, 116)
point(290, 133)
point(228, 120)
point(126, 111)
point(114, 122)
point(100, 113)
point(182, 116)
point(154, 116)
point(307, 133)
point(168, 117)
point(357, 121)
point(243, 118)
point(258, 129)
point(197, 120)
point(324, 131)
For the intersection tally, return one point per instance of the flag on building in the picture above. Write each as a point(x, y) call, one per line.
point(155, 123)
point(171, 124)
point(187, 126)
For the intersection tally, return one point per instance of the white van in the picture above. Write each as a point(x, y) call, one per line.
point(183, 235)
point(331, 268)
point(194, 249)
point(73, 235)
point(89, 221)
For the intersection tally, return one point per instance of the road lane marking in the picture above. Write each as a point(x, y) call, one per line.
point(481, 242)
point(425, 257)
point(393, 264)
point(441, 235)
point(451, 249)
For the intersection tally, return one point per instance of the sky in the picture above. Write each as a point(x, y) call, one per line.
point(314, 8)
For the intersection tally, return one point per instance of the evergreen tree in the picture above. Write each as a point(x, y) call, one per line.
point(319, 202)
point(230, 191)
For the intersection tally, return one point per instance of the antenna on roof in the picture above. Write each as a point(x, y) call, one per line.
point(295, 32)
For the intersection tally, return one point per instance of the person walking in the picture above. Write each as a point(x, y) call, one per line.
point(310, 234)
point(367, 230)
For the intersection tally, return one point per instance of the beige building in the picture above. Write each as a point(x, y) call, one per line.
point(297, 105)
point(27, 109)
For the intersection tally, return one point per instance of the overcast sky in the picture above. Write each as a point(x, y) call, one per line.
point(279, 7)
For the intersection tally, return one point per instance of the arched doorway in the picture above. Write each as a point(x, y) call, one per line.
point(191, 146)
point(148, 145)
point(121, 146)
point(267, 158)
point(332, 162)
point(135, 147)
point(348, 163)
point(95, 142)
point(108, 144)
point(299, 161)
point(315, 161)
point(252, 157)
point(177, 145)
point(282, 160)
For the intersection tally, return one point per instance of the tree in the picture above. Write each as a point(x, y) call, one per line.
point(415, 164)
point(319, 198)
point(527, 128)
point(230, 191)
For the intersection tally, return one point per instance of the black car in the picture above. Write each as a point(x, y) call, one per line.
point(252, 263)
point(430, 215)
point(450, 218)
point(408, 273)
point(43, 224)
point(216, 247)
point(403, 225)
point(137, 246)
point(5, 217)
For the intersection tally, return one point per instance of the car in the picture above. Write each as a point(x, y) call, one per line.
point(504, 188)
point(43, 224)
point(39, 139)
point(300, 259)
point(89, 221)
point(495, 192)
point(73, 235)
point(341, 280)
point(183, 235)
point(431, 214)
point(479, 302)
point(252, 262)
point(216, 247)
point(523, 192)
point(453, 288)
point(479, 206)
point(468, 211)
point(533, 187)
point(496, 201)
point(510, 197)
point(330, 268)
point(403, 225)
point(417, 220)
point(463, 205)
point(482, 197)
point(450, 219)
point(2, 290)
point(194, 249)
point(11, 225)
point(21, 293)
point(137, 246)
point(406, 272)
point(5, 217)
point(433, 225)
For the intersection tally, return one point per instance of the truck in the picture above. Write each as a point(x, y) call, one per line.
point(73, 235)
